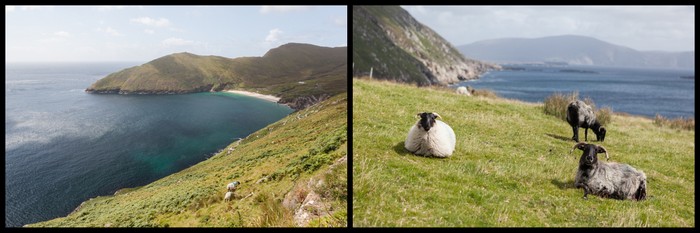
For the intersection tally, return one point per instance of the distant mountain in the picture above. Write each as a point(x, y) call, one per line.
point(301, 74)
point(388, 40)
point(577, 50)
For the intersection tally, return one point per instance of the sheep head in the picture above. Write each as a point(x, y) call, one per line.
point(599, 131)
point(590, 153)
point(427, 120)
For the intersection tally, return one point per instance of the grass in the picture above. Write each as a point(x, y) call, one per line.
point(511, 166)
point(194, 197)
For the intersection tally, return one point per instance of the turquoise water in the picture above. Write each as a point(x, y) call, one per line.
point(64, 146)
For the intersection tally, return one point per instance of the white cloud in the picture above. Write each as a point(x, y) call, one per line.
point(149, 31)
point(161, 22)
point(62, 34)
point(108, 8)
point(341, 21)
point(172, 41)
point(110, 31)
point(273, 35)
point(271, 9)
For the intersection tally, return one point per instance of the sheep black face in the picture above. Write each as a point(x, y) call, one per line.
point(427, 120)
point(590, 153)
point(601, 134)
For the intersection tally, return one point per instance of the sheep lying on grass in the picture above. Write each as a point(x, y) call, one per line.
point(430, 137)
point(613, 180)
point(579, 114)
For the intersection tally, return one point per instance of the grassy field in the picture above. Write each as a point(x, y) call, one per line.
point(278, 166)
point(511, 166)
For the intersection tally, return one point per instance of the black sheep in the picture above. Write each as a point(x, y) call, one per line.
point(579, 114)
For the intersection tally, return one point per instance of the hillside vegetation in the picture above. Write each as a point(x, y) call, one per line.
point(511, 166)
point(295, 72)
point(292, 173)
point(388, 40)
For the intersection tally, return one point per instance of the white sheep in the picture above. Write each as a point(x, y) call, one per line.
point(228, 195)
point(232, 186)
point(463, 91)
point(430, 137)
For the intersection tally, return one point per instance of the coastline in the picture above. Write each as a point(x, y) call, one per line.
point(256, 95)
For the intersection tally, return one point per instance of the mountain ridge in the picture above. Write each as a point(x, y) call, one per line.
point(297, 73)
point(576, 50)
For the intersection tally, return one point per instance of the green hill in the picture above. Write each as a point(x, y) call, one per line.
point(388, 40)
point(299, 74)
point(511, 166)
point(292, 173)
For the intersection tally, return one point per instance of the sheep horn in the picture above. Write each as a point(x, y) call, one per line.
point(606, 152)
point(417, 115)
point(438, 115)
point(575, 146)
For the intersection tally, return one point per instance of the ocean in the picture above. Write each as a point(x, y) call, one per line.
point(637, 91)
point(64, 146)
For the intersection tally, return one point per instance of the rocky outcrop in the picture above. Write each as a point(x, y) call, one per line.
point(303, 102)
point(306, 202)
point(390, 42)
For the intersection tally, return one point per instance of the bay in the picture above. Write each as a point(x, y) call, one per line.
point(64, 146)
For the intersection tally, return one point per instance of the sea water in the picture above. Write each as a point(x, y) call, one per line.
point(638, 91)
point(64, 146)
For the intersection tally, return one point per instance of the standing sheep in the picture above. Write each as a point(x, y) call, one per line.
point(614, 180)
point(430, 137)
point(579, 114)
point(232, 186)
point(228, 195)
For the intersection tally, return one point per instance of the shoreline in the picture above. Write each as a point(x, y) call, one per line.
point(270, 98)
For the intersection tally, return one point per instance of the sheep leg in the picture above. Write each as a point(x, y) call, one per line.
point(575, 129)
point(586, 133)
point(585, 192)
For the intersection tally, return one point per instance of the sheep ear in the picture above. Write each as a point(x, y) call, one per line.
point(602, 149)
point(436, 115)
point(579, 145)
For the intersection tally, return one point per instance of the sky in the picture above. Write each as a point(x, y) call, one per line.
point(644, 28)
point(133, 33)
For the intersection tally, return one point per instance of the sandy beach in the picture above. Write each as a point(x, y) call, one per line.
point(256, 95)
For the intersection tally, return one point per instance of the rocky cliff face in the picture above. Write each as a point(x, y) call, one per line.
point(388, 40)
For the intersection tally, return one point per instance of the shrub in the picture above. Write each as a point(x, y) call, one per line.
point(676, 123)
point(485, 93)
point(604, 115)
point(556, 103)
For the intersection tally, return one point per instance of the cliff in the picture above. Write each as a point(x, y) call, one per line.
point(388, 40)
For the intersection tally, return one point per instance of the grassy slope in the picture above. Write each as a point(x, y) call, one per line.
point(278, 72)
point(294, 149)
point(511, 166)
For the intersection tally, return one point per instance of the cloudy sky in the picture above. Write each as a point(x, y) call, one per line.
point(666, 28)
point(146, 33)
